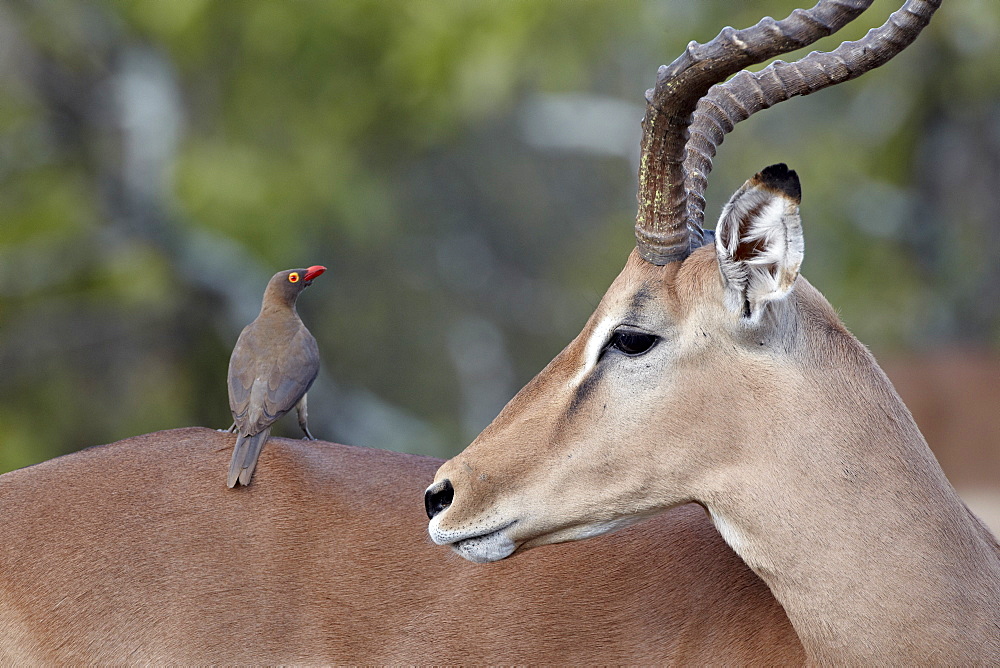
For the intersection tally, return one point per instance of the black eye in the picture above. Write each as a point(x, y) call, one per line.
point(632, 342)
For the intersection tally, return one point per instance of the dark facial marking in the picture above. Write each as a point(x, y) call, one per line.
point(585, 389)
point(639, 300)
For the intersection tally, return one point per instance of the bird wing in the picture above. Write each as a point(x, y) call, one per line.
point(244, 368)
point(266, 381)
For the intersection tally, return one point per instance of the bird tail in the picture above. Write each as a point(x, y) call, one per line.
point(245, 456)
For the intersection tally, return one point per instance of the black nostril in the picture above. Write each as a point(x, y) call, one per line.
point(438, 497)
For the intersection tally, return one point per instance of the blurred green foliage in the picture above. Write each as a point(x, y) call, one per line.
point(160, 160)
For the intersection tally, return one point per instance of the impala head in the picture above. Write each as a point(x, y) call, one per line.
point(698, 349)
point(631, 418)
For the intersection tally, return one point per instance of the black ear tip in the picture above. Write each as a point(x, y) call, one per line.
point(778, 177)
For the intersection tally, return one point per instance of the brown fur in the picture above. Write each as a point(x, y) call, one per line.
point(785, 428)
point(136, 552)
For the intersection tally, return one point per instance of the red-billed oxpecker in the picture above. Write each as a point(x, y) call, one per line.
point(274, 363)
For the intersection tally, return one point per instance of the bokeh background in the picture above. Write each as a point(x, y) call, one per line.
point(466, 169)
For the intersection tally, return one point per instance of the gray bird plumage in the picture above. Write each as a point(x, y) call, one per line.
point(273, 365)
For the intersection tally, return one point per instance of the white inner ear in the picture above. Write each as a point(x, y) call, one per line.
point(760, 248)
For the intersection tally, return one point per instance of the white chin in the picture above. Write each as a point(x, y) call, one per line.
point(484, 549)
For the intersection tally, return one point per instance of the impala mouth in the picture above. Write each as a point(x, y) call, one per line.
point(480, 548)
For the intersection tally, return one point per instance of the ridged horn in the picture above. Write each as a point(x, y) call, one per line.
point(669, 219)
point(748, 92)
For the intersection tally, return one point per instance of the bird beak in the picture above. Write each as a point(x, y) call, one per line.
point(312, 272)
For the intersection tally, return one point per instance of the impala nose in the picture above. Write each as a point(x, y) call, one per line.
point(438, 497)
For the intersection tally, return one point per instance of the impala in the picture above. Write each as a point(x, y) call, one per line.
point(712, 372)
point(135, 552)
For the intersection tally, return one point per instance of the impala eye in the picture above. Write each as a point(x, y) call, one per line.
point(632, 342)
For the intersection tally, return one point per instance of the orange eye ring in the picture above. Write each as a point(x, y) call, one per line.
point(293, 277)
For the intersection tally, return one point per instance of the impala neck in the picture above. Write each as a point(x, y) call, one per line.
point(851, 522)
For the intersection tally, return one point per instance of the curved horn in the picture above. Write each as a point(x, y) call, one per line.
point(661, 227)
point(748, 92)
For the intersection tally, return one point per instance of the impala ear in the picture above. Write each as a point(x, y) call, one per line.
point(759, 241)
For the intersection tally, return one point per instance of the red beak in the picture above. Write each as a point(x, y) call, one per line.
point(313, 271)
